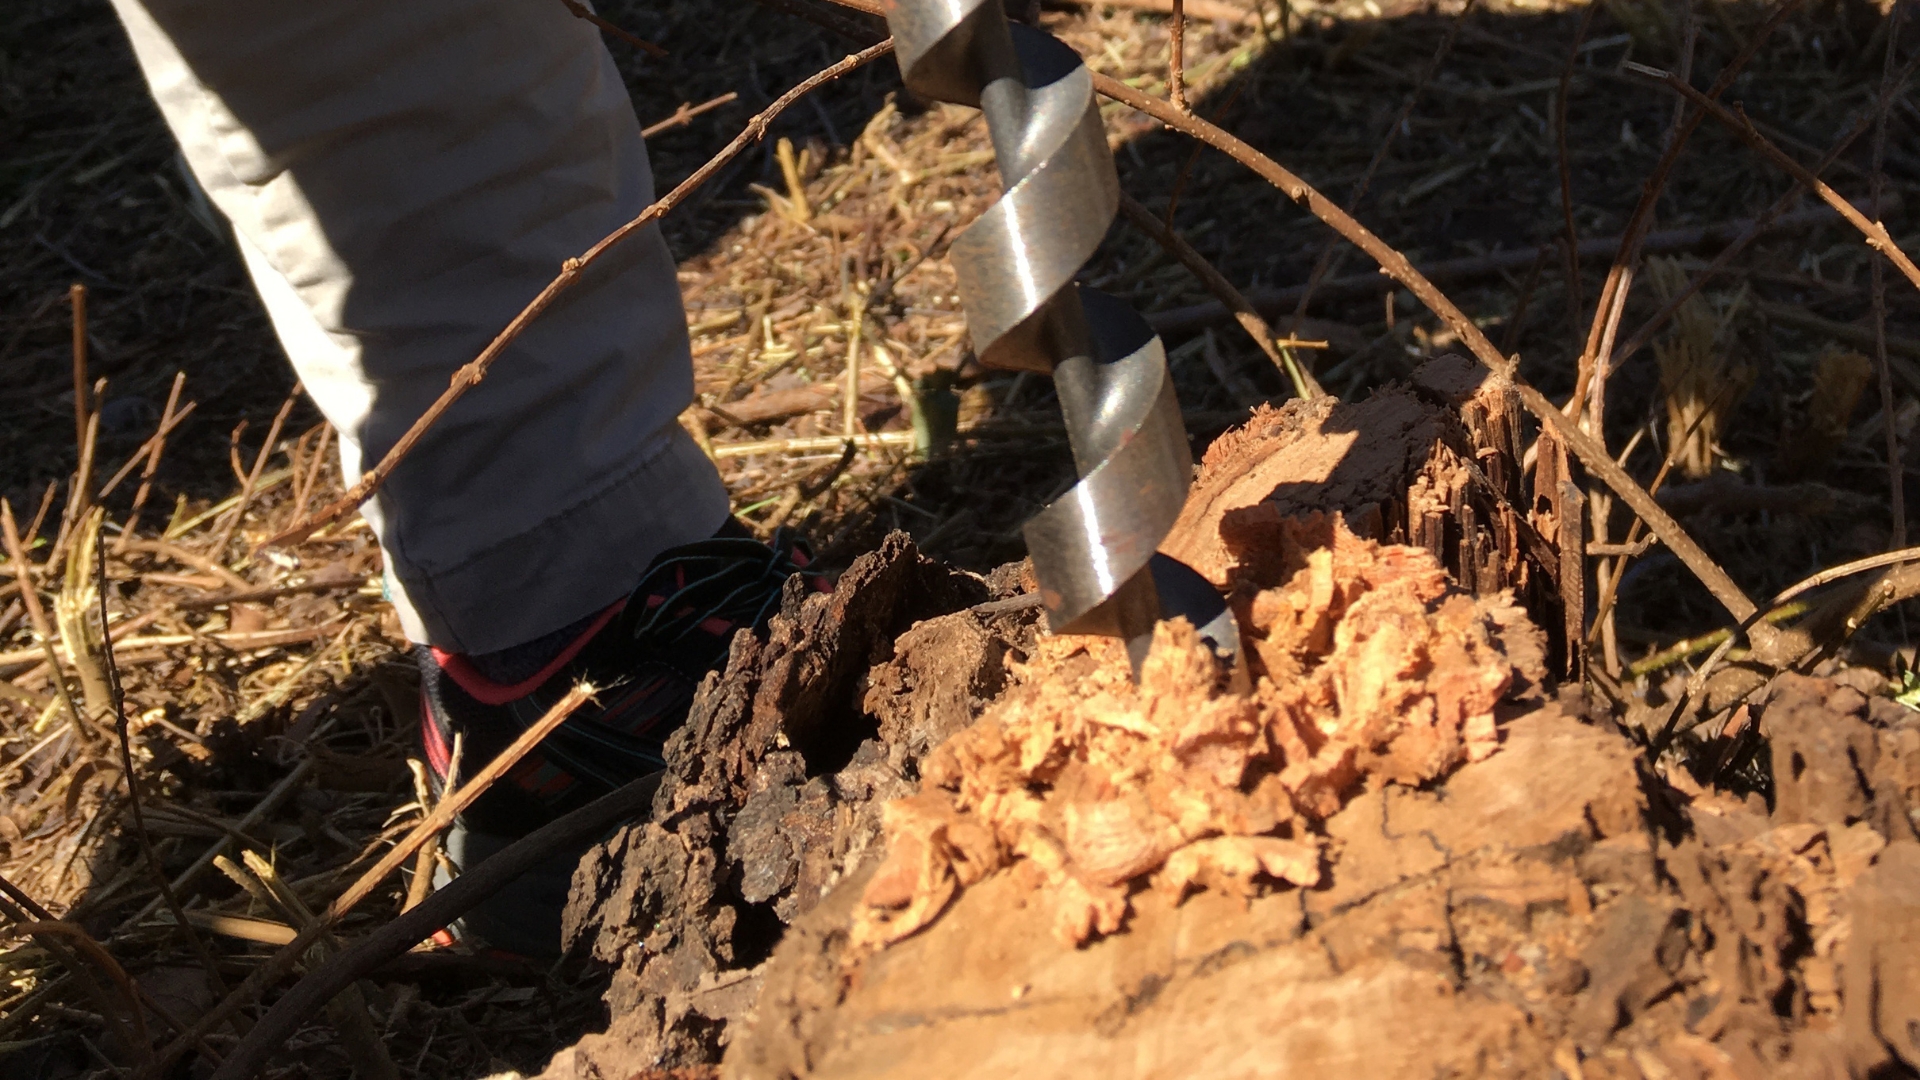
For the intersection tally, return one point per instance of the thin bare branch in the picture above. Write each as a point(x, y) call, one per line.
point(1177, 56)
point(30, 598)
point(1896, 483)
point(1613, 294)
point(1686, 238)
point(1395, 265)
point(445, 905)
point(150, 450)
point(469, 376)
point(686, 112)
point(77, 294)
point(1256, 327)
point(239, 511)
point(103, 960)
point(1876, 233)
point(1329, 259)
point(118, 704)
point(581, 11)
point(1574, 301)
point(1644, 336)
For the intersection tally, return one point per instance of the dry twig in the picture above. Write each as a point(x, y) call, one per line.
point(149, 451)
point(444, 906)
point(239, 511)
point(1177, 56)
point(30, 597)
point(101, 958)
point(430, 826)
point(1469, 267)
point(1876, 233)
point(118, 704)
point(288, 784)
point(1769, 218)
point(1328, 260)
point(581, 11)
point(1565, 164)
point(31, 918)
point(1591, 377)
point(686, 112)
point(1211, 10)
point(1896, 484)
point(1395, 264)
point(1143, 219)
point(78, 295)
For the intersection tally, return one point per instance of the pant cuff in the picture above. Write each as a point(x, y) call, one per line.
point(570, 565)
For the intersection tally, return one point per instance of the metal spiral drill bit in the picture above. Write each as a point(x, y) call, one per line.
point(1093, 549)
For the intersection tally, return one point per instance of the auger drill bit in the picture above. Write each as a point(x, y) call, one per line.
point(1092, 549)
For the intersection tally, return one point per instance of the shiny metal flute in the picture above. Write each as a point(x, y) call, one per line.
point(1092, 549)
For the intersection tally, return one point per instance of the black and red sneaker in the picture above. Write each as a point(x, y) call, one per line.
point(646, 654)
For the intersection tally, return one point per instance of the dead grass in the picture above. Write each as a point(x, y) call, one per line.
point(826, 243)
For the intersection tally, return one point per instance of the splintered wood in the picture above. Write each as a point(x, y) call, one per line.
point(1435, 465)
point(1364, 666)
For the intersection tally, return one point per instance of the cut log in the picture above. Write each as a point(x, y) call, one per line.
point(1518, 919)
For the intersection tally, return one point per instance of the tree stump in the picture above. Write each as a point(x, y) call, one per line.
point(1435, 465)
point(1374, 848)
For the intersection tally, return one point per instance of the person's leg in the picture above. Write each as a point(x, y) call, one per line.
point(402, 178)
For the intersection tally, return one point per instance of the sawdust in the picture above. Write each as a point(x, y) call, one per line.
point(1027, 866)
point(1555, 907)
point(1366, 667)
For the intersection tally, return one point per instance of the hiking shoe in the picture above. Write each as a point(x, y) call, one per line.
point(645, 654)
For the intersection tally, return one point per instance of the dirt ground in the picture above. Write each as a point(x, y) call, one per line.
point(1531, 878)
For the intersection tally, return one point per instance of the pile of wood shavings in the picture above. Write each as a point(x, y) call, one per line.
point(1364, 666)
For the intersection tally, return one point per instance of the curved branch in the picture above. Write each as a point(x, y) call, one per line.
point(1395, 265)
point(312, 993)
point(1876, 233)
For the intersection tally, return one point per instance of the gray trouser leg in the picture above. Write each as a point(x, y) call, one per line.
point(402, 178)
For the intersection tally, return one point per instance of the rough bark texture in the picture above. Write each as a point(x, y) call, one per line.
point(773, 791)
point(1376, 849)
point(1551, 908)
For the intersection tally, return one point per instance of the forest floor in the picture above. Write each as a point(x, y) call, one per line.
point(1650, 904)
